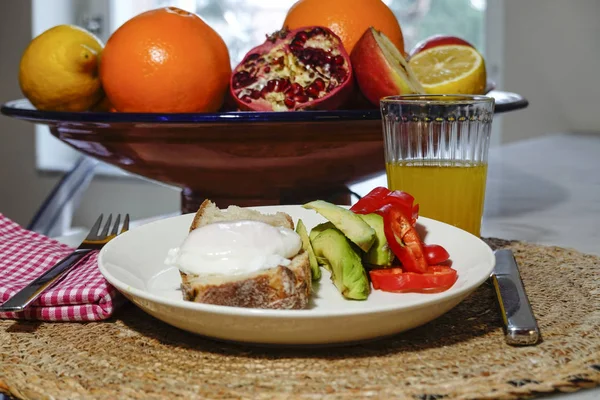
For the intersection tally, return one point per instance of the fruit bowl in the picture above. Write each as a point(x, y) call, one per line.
point(242, 158)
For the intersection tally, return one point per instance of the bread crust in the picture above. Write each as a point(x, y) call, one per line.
point(282, 287)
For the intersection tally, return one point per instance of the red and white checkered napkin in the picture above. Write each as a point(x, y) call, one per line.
point(83, 295)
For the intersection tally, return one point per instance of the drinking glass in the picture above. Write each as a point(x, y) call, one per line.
point(436, 149)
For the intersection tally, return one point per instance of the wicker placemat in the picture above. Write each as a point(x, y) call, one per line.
point(460, 355)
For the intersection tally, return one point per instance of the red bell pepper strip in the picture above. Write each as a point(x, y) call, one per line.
point(403, 214)
point(381, 275)
point(371, 201)
point(381, 196)
point(403, 239)
point(404, 201)
point(437, 278)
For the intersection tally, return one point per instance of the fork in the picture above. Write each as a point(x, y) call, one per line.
point(95, 240)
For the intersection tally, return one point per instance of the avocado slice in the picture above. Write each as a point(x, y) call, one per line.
point(314, 265)
point(314, 232)
point(351, 225)
point(380, 253)
point(347, 272)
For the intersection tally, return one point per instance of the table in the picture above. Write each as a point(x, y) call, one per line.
point(544, 190)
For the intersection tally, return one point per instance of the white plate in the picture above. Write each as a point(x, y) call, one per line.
point(134, 263)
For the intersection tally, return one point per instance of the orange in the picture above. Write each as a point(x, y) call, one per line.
point(348, 19)
point(165, 60)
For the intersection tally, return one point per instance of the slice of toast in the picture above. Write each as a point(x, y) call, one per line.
point(282, 287)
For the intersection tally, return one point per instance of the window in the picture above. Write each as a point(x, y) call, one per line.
point(243, 24)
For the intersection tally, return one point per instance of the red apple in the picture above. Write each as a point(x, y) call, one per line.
point(380, 69)
point(437, 40)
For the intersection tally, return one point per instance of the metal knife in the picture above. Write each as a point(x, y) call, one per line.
point(520, 325)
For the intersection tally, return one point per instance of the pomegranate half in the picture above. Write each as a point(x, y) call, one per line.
point(302, 69)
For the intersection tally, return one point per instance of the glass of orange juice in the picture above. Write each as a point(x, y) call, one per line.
point(436, 149)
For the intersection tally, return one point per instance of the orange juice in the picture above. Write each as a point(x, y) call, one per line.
point(449, 191)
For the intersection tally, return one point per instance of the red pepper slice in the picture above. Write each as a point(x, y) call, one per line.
point(371, 201)
point(435, 254)
point(437, 278)
point(403, 239)
point(381, 196)
point(379, 275)
point(398, 226)
point(405, 202)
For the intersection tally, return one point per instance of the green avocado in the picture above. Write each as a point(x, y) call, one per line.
point(314, 232)
point(347, 272)
point(380, 253)
point(351, 225)
point(314, 265)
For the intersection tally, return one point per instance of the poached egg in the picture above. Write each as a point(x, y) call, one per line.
point(235, 248)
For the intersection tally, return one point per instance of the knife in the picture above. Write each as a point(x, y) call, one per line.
point(520, 325)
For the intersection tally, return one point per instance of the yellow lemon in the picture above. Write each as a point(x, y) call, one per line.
point(59, 70)
point(450, 69)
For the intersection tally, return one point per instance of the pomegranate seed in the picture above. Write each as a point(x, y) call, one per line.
point(328, 59)
point(317, 31)
point(264, 91)
point(319, 83)
point(313, 56)
point(252, 56)
point(283, 85)
point(279, 61)
point(312, 91)
point(242, 78)
point(338, 60)
point(341, 75)
point(267, 69)
point(306, 55)
point(289, 102)
point(302, 98)
point(301, 36)
point(297, 88)
point(271, 85)
point(255, 94)
point(246, 99)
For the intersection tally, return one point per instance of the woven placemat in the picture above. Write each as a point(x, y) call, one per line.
point(460, 355)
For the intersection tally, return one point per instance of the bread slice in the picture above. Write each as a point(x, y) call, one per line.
point(276, 288)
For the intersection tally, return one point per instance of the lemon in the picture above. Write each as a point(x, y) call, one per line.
point(450, 69)
point(59, 70)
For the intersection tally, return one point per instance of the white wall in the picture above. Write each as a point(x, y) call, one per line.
point(552, 57)
point(22, 187)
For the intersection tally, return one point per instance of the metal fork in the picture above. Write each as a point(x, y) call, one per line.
point(95, 240)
